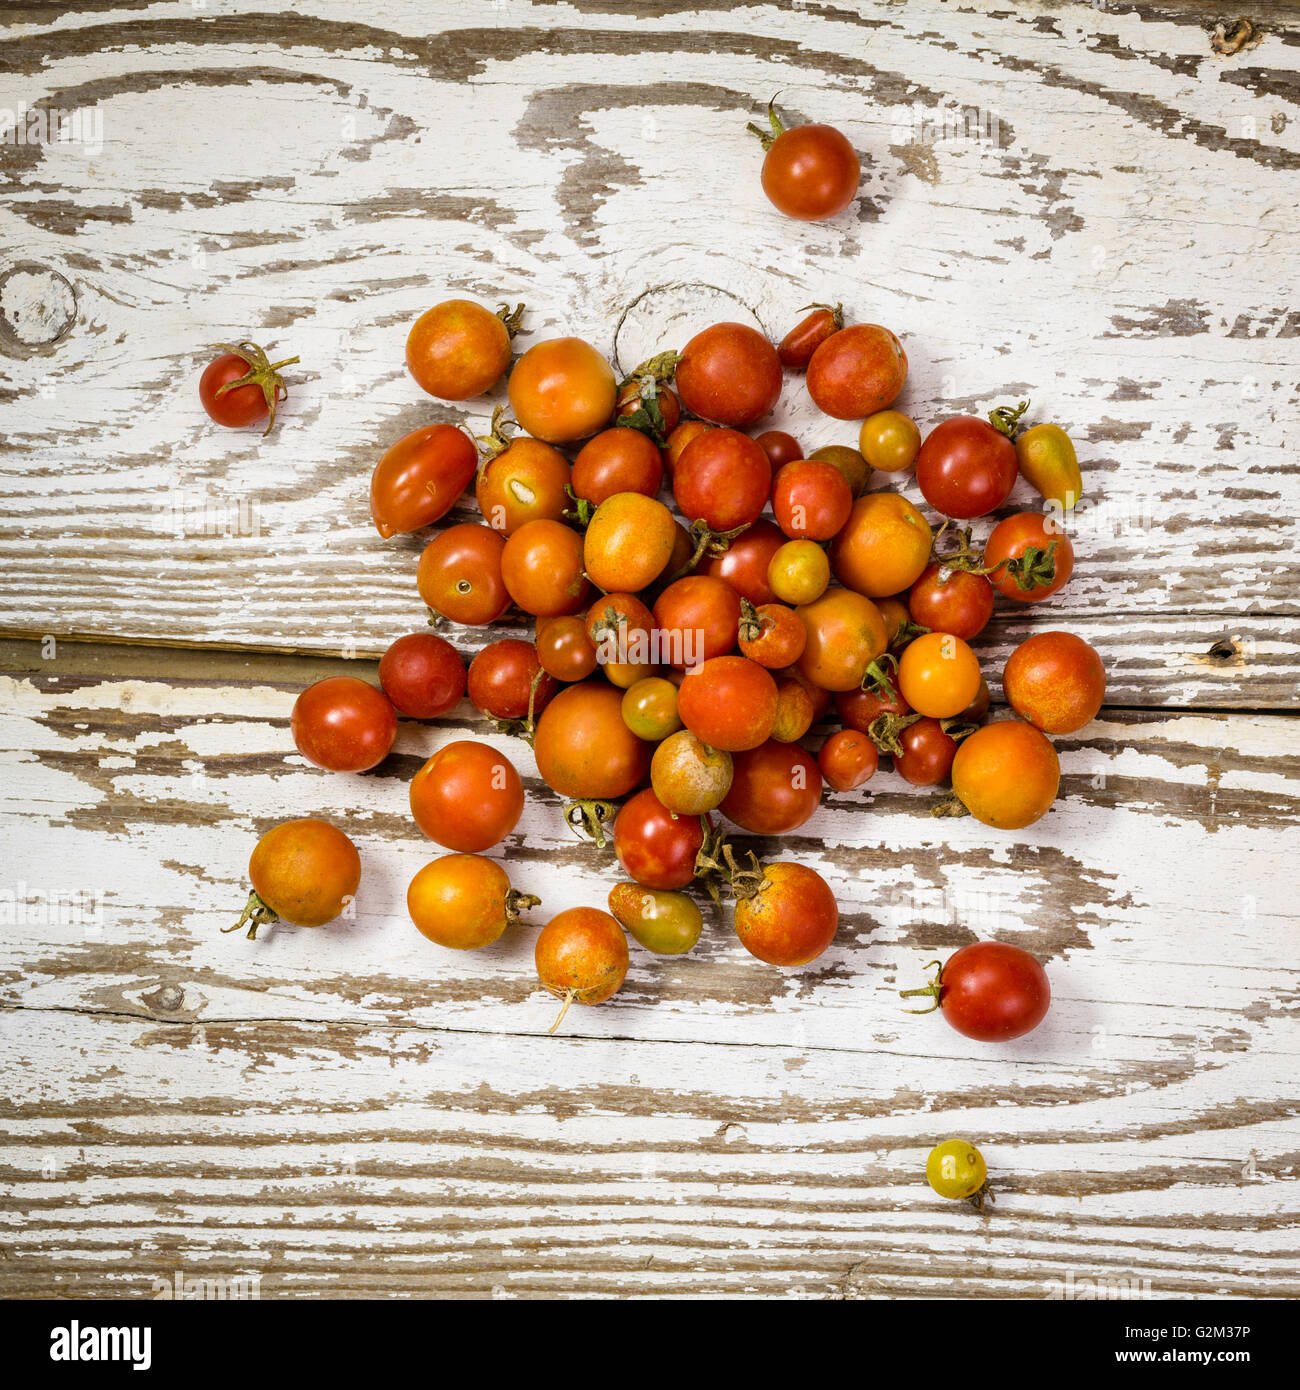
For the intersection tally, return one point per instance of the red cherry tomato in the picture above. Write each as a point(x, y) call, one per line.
point(847, 760)
point(926, 759)
point(698, 617)
point(655, 847)
point(775, 788)
point(811, 172)
point(1038, 554)
point(857, 371)
point(791, 917)
point(460, 575)
point(259, 391)
point(799, 344)
point(728, 702)
point(966, 468)
point(541, 568)
point(729, 374)
point(344, 724)
point(419, 479)
point(564, 648)
point(744, 563)
point(952, 601)
point(811, 499)
point(772, 634)
point(467, 797)
point(423, 675)
point(617, 460)
point(780, 448)
point(722, 478)
point(990, 991)
point(859, 709)
point(501, 680)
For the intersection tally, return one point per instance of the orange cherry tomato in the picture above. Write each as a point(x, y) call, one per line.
point(583, 747)
point(1006, 774)
point(791, 918)
point(459, 349)
point(889, 441)
point(581, 957)
point(304, 872)
point(464, 901)
point(525, 481)
point(1038, 556)
point(884, 546)
point(628, 542)
point(772, 634)
point(541, 567)
point(938, 675)
point(728, 702)
point(1056, 681)
point(459, 576)
point(848, 759)
point(562, 390)
point(467, 797)
point(845, 635)
point(795, 710)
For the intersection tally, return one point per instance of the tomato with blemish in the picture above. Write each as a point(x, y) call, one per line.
point(884, 547)
point(459, 575)
point(856, 372)
point(419, 479)
point(526, 481)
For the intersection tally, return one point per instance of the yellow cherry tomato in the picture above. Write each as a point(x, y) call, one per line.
point(889, 441)
point(956, 1169)
point(799, 572)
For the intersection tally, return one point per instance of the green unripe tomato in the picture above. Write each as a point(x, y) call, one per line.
point(667, 923)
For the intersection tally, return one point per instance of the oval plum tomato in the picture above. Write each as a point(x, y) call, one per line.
point(459, 349)
point(953, 601)
point(1056, 681)
point(664, 922)
point(581, 957)
point(798, 572)
point(460, 575)
point(989, 991)
point(729, 374)
point(1047, 460)
point(722, 478)
point(541, 567)
point(811, 172)
point(889, 441)
point(780, 448)
point(564, 649)
point(956, 1169)
point(848, 759)
point(859, 709)
point(464, 901)
point(562, 390)
point(423, 675)
point(938, 675)
point(856, 470)
point(302, 871)
point(925, 753)
point(617, 460)
point(884, 546)
point(688, 776)
point(744, 563)
point(467, 797)
point(1029, 557)
point(680, 438)
point(1006, 774)
point(343, 724)
point(811, 499)
point(771, 634)
point(650, 709)
point(728, 702)
point(698, 617)
point(628, 542)
point(506, 680)
point(790, 919)
point(857, 371)
point(521, 480)
point(795, 710)
point(797, 347)
point(845, 635)
point(654, 846)
point(242, 387)
point(622, 628)
point(775, 788)
point(584, 750)
point(419, 479)
point(966, 467)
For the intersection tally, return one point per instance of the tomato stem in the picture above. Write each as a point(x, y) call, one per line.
point(753, 624)
point(980, 1196)
point(1005, 418)
point(517, 902)
point(906, 633)
point(496, 441)
point(874, 677)
point(708, 541)
point(569, 996)
point(257, 914)
point(261, 373)
point(580, 512)
point(884, 730)
point(951, 805)
point(512, 318)
point(586, 814)
point(932, 989)
point(769, 138)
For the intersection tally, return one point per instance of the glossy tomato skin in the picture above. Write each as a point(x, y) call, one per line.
point(245, 405)
point(859, 709)
point(562, 390)
point(467, 797)
point(846, 633)
point(728, 702)
point(526, 481)
point(798, 572)
point(775, 788)
point(501, 677)
point(628, 542)
point(1006, 774)
point(461, 901)
point(458, 349)
point(698, 617)
point(423, 675)
point(773, 635)
point(811, 499)
point(926, 759)
point(811, 172)
point(781, 448)
point(541, 568)
point(722, 478)
point(564, 648)
point(884, 547)
point(952, 601)
point(650, 710)
point(993, 992)
point(1013, 538)
point(889, 441)
point(664, 922)
point(729, 375)
point(792, 918)
point(419, 479)
point(795, 350)
point(857, 371)
point(848, 759)
point(1056, 681)
point(680, 438)
point(655, 847)
point(305, 871)
point(617, 460)
point(582, 954)
point(344, 724)
point(459, 576)
point(745, 561)
point(583, 747)
point(965, 467)
point(938, 675)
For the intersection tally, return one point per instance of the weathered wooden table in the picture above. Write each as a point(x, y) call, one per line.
point(1083, 204)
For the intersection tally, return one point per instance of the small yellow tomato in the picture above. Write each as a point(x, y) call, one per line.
point(889, 440)
point(956, 1169)
point(799, 572)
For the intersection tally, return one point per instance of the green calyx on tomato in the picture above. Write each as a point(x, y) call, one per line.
point(589, 816)
point(262, 373)
point(1034, 569)
point(511, 318)
point(707, 541)
point(1006, 418)
point(257, 914)
point(648, 417)
point(496, 441)
point(769, 138)
point(931, 990)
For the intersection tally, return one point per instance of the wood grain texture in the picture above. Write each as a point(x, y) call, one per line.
point(352, 1110)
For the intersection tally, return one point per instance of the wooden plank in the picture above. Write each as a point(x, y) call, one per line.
point(1068, 254)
